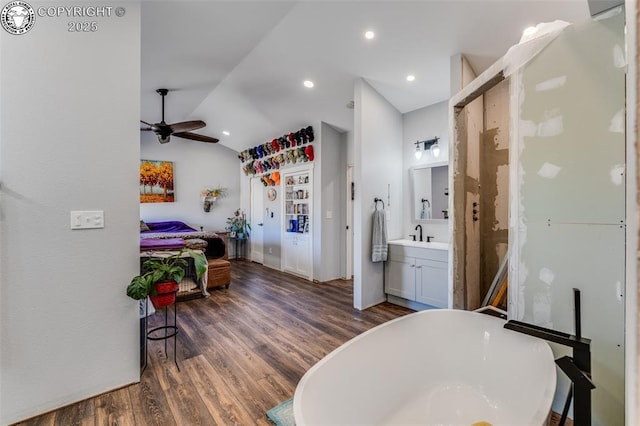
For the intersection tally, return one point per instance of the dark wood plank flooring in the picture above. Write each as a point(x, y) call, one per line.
point(241, 351)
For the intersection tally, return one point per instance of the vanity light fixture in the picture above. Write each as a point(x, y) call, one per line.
point(430, 144)
point(308, 84)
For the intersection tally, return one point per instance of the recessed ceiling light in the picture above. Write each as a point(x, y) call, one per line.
point(369, 35)
point(308, 84)
point(224, 132)
point(411, 77)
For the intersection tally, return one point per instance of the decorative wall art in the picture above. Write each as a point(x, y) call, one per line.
point(211, 195)
point(156, 181)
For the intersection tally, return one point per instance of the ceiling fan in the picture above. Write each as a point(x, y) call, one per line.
point(181, 129)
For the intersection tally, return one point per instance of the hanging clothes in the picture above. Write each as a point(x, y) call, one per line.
point(379, 247)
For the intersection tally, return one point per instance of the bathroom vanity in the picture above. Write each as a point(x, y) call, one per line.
point(416, 274)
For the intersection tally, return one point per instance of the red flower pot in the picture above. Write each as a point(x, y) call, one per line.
point(165, 294)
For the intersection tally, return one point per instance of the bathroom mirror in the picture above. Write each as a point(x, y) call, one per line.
point(431, 192)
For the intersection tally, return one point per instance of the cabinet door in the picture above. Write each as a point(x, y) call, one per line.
point(303, 266)
point(289, 255)
point(401, 278)
point(431, 278)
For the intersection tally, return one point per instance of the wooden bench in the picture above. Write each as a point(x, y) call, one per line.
point(219, 270)
point(218, 273)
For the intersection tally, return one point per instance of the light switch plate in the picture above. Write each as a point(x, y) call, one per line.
point(87, 219)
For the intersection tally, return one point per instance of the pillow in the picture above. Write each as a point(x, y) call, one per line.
point(143, 226)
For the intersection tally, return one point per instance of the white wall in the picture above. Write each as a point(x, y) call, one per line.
point(329, 236)
point(350, 147)
point(69, 141)
point(568, 206)
point(377, 173)
point(422, 124)
point(196, 165)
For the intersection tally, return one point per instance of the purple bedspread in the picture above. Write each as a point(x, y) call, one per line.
point(168, 226)
point(147, 244)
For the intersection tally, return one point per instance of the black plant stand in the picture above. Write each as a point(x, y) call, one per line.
point(163, 332)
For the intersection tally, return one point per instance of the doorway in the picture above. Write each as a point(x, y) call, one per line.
point(257, 221)
point(481, 193)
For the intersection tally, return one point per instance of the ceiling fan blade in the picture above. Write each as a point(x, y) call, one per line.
point(196, 137)
point(186, 126)
point(144, 122)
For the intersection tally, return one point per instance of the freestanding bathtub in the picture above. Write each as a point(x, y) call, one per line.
point(436, 367)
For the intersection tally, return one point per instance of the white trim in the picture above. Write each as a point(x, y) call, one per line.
point(631, 284)
point(349, 240)
point(513, 300)
point(430, 165)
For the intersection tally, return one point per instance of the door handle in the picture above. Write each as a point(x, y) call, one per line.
point(260, 224)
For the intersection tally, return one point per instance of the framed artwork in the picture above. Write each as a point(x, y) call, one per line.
point(156, 181)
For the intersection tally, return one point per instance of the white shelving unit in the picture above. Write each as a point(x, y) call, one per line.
point(297, 221)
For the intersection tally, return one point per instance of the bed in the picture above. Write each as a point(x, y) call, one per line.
point(174, 235)
point(159, 239)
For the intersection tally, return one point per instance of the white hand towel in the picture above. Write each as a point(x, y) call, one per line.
point(379, 237)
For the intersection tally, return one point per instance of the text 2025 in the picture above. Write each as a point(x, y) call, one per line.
point(82, 27)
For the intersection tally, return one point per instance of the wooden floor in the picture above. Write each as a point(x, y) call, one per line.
point(241, 351)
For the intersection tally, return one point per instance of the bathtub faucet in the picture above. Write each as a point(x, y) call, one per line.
point(577, 368)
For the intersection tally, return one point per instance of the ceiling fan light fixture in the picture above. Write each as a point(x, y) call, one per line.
point(182, 129)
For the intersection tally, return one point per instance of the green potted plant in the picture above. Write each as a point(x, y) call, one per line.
point(238, 226)
point(161, 275)
point(210, 195)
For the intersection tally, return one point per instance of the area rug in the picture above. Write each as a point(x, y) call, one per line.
point(282, 414)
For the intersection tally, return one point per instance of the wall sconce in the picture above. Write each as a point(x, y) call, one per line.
point(430, 144)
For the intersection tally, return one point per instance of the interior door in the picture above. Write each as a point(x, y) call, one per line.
point(257, 221)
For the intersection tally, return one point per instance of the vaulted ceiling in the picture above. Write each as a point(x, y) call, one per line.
point(239, 65)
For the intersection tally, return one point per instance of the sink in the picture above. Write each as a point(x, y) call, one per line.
point(436, 245)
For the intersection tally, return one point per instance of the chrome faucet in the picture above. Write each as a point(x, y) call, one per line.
point(419, 226)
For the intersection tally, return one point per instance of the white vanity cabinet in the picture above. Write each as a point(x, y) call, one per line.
point(402, 271)
point(431, 282)
point(417, 272)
